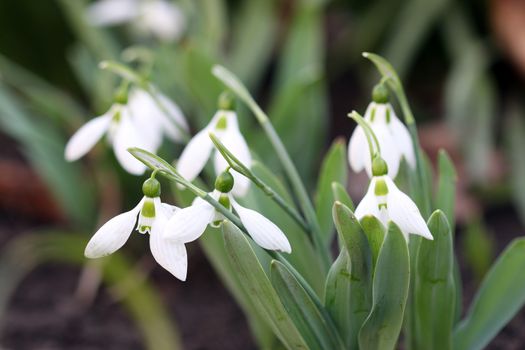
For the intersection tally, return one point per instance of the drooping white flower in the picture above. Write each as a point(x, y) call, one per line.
point(393, 136)
point(150, 117)
point(152, 218)
point(159, 18)
point(122, 132)
point(387, 203)
point(189, 223)
point(196, 154)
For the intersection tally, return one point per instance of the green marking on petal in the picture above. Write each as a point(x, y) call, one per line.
point(148, 209)
point(388, 115)
point(381, 189)
point(222, 123)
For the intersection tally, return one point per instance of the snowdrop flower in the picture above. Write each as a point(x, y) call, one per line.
point(189, 223)
point(393, 136)
point(152, 118)
point(122, 132)
point(152, 218)
point(196, 154)
point(159, 18)
point(386, 202)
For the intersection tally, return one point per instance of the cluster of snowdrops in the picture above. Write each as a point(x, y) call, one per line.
point(142, 116)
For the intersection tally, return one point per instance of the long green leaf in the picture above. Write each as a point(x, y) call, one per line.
point(446, 189)
point(317, 331)
point(259, 289)
point(356, 243)
point(375, 232)
point(500, 297)
point(333, 169)
point(337, 298)
point(390, 291)
point(434, 288)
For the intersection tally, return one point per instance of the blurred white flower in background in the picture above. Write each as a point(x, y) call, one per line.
point(159, 18)
point(134, 121)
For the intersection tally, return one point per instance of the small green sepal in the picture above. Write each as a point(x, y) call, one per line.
point(224, 182)
point(226, 101)
point(379, 166)
point(151, 188)
point(380, 93)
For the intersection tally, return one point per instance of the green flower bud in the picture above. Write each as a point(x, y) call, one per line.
point(380, 94)
point(379, 166)
point(226, 101)
point(224, 182)
point(151, 188)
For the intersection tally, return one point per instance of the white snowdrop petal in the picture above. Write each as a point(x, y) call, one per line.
point(174, 120)
point(358, 150)
point(163, 19)
point(113, 234)
point(264, 232)
point(128, 136)
point(110, 12)
point(369, 204)
point(189, 223)
point(404, 212)
point(195, 155)
point(144, 114)
point(170, 255)
point(86, 137)
point(403, 140)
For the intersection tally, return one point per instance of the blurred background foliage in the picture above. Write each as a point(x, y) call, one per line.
point(463, 63)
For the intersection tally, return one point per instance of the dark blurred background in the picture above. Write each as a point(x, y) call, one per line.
point(463, 64)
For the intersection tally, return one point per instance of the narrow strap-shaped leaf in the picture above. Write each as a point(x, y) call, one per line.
point(334, 168)
point(390, 291)
point(446, 190)
point(434, 290)
point(317, 331)
point(341, 195)
point(356, 243)
point(337, 293)
point(500, 297)
point(259, 289)
point(375, 232)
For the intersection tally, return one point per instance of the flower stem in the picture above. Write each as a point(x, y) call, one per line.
point(293, 176)
point(242, 169)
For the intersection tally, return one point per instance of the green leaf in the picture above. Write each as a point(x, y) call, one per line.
point(500, 297)
point(446, 189)
point(303, 54)
point(337, 298)
point(390, 291)
point(303, 256)
point(333, 169)
point(317, 331)
point(341, 195)
point(253, 37)
point(375, 232)
point(434, 290)
point(258, 287)
point(356, 243)
point(409, 30)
